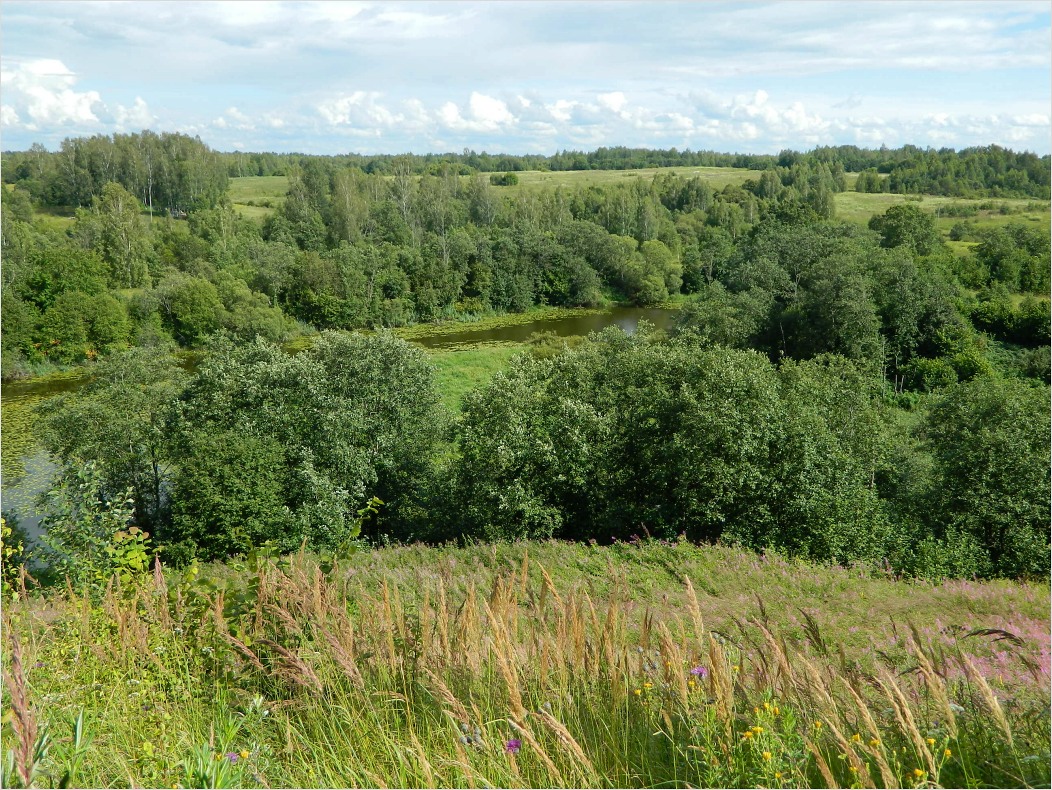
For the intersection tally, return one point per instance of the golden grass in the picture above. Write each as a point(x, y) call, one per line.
point(421, 681)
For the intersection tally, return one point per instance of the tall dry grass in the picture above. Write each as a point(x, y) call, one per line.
point(314, 679)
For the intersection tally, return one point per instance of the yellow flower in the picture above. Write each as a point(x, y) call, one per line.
point(947, 753)
point(854, 770)
point(766, 706)
point(777, 774)
point(757, 729)
point(767, 755)
point(917, 772)
point(747, 734)
point(691, 683)
point(756, 711)
point(243, 754)
point(818, 725)
point(776, 711)
point(856, 738)
point(637, 692)
point(931, 741)
point(874, 741)
point(648, 685)
point(736, 668)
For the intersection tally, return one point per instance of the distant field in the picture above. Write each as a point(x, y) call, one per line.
point(249, 190)
point(717, 177)
point(851, 206)
point(859, 207)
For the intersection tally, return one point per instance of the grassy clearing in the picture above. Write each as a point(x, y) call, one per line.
point(716, 177)
point(859, 207)
point(252, 194)
point(535, 665)
point(457, 371)
point(257, 188)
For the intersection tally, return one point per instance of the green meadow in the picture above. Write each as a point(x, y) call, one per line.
point(540, 664)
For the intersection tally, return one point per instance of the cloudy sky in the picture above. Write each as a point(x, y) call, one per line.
point(529, 77)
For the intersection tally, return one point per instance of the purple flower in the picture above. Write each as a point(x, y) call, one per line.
point(699, 672)
point(513, 746)
point(232, 756)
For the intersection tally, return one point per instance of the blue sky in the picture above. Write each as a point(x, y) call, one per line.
point(529, 77)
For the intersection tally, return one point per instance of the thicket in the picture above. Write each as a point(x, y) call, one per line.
point(792, 409)
point(349, 250)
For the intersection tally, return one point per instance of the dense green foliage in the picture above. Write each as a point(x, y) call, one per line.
point(176, 172)
point(821, 393)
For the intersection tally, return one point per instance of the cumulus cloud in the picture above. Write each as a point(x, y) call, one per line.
point(42, 91)
point(484, 114)
point(136, 117)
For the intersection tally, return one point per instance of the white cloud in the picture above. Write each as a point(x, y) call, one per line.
point(8, 116)
point(136, 117)
point(612, 101)
point(485, 114)
point(360, 112)
point(489, 111)
point(42, 90)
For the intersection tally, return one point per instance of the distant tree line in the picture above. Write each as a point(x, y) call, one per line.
point(165, 172)
point(186, 171)
point(346, 250)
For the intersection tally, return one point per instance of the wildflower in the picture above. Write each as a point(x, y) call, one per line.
point(854, 770)
point(747, 734)
point(818, 725)
point(637, 692)
point(648, 686)
point(757, 729)
point(767, 755)
point(767, 706)
point(513, 746)
point(776, 711)
point(947, 753)
point(918, 773)
point(244, 753)
point(232, 756)
point(856, 738)
point(691, 683)
point(699, 672)
point(777, 774)
point(874, 741)
point(736, 668)
point(931, 741)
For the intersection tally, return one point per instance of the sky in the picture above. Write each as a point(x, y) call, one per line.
point(529, 77)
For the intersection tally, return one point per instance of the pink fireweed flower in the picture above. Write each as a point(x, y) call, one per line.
point(699, 672)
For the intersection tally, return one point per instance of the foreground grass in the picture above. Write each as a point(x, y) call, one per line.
point(534, 665)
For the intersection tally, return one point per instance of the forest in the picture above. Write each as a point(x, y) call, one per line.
point(818, 394)
point(270, 513)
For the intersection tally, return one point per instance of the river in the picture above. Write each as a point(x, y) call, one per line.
point(27, 469)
